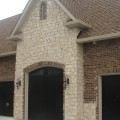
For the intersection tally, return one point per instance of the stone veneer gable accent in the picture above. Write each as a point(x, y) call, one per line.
point(49, 40)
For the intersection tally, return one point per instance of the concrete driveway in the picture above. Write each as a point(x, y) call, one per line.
point(6, 118)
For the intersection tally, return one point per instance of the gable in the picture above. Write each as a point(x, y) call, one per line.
point(87, 11)
point(55, 19)
point(29, 7)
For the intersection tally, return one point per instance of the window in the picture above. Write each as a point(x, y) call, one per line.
point(43, 11)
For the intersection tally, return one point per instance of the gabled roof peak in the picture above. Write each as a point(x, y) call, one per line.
point(28, 7)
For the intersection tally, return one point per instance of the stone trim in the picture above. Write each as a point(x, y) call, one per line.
point(43, 64)
point(15, 38)
point(77, 24)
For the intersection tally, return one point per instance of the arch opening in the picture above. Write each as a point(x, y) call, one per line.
point(45, 94)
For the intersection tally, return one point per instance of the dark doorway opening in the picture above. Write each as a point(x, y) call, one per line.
point(45, 101)
point(111, 97)
point(6, 98)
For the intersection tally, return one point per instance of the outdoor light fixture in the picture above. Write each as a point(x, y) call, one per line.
point(66, 81)
point(18, 83)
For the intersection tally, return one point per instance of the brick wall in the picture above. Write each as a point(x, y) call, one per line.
point(7, 68)
point(101, 58)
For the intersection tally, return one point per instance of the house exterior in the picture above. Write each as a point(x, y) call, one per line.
point(78, 41)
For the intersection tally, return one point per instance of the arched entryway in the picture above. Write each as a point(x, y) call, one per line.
point(45, 94)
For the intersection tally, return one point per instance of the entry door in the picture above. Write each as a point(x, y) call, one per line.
point(6, 98)
point(45, 101)
point(111, 97)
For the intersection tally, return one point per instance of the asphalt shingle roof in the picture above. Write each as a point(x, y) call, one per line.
point(6, 27)
point(102, 15)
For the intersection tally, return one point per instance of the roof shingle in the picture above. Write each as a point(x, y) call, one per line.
point(6, 27)
point(102, 15)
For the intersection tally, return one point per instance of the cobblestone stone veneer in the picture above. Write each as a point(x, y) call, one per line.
point(49, 41)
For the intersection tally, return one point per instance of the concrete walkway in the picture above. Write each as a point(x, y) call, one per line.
point(6, 118)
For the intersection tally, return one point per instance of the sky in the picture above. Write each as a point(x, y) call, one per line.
point(10, 8)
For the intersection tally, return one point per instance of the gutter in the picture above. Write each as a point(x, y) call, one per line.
point(99, 38)
point(7, 54)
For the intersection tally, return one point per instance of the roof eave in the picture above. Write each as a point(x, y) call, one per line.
point(7, 54)
point(99, 38)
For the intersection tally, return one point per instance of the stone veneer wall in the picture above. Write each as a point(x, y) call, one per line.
point(101, 58)
point(49, 40)
point(80, 77)
point(7, 68)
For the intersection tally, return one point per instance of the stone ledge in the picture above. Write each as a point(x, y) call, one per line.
point(78, 24)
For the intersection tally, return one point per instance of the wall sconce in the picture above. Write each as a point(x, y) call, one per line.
point(18, 83)
point(66, 81)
